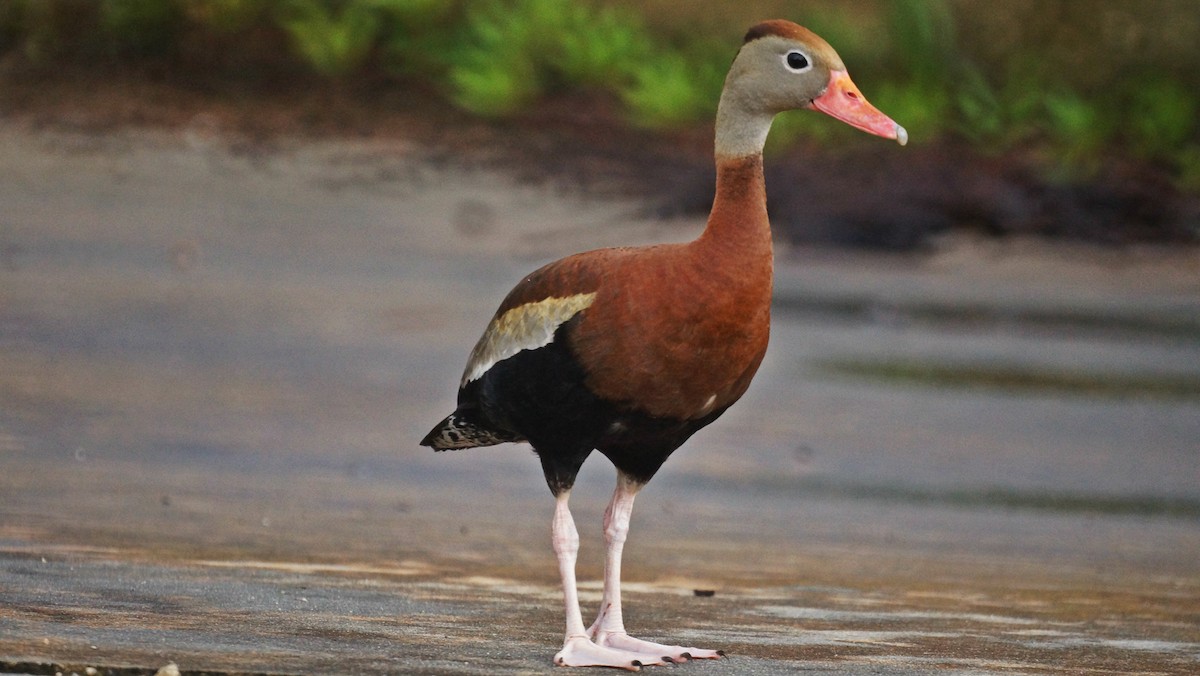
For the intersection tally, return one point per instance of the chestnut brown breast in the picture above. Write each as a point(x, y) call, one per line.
point(679, 330)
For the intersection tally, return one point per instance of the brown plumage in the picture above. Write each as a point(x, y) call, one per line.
point(630, 351)
point(787, 30)
point(695, 317)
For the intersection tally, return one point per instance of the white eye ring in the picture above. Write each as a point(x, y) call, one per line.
point(797, 61)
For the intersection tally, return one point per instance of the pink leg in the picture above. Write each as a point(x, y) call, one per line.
point(609, 627)
point(578, 649)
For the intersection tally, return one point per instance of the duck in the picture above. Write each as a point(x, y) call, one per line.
point(630, 351)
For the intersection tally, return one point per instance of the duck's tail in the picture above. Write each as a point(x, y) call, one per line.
point(460, 430)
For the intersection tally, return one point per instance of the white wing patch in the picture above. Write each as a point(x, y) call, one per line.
point(525, 327)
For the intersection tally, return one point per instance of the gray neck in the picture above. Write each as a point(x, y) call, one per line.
point(740, 132)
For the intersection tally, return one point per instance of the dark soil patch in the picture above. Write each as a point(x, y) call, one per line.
point(873, 195)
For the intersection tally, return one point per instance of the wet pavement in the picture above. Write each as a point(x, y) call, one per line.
point(215, 364)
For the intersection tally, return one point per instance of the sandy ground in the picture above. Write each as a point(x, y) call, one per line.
point(215, 364)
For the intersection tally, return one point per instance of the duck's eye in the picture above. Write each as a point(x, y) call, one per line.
point(796, 61)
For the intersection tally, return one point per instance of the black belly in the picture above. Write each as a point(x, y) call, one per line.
point(542, 395)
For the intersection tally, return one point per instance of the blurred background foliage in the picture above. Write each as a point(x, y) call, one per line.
point(1076, 81)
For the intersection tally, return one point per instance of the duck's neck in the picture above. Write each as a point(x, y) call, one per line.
point(739, 212)
point(741, 130)
point(734, 251)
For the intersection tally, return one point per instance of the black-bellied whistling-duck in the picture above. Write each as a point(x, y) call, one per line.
point(629, 351)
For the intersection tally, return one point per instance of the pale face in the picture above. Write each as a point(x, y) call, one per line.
point(773, 74)
point(786, 67)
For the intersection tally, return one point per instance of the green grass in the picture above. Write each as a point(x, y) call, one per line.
point(1165, 116)
point(333, 41)
point(514, 52)
point(676, 87)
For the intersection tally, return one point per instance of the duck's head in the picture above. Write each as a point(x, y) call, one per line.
point(783, 66)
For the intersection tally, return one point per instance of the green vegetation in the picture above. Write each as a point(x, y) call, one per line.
point(677, 87)
point(1078, 82)
point(516, 51)
point(333, 41)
